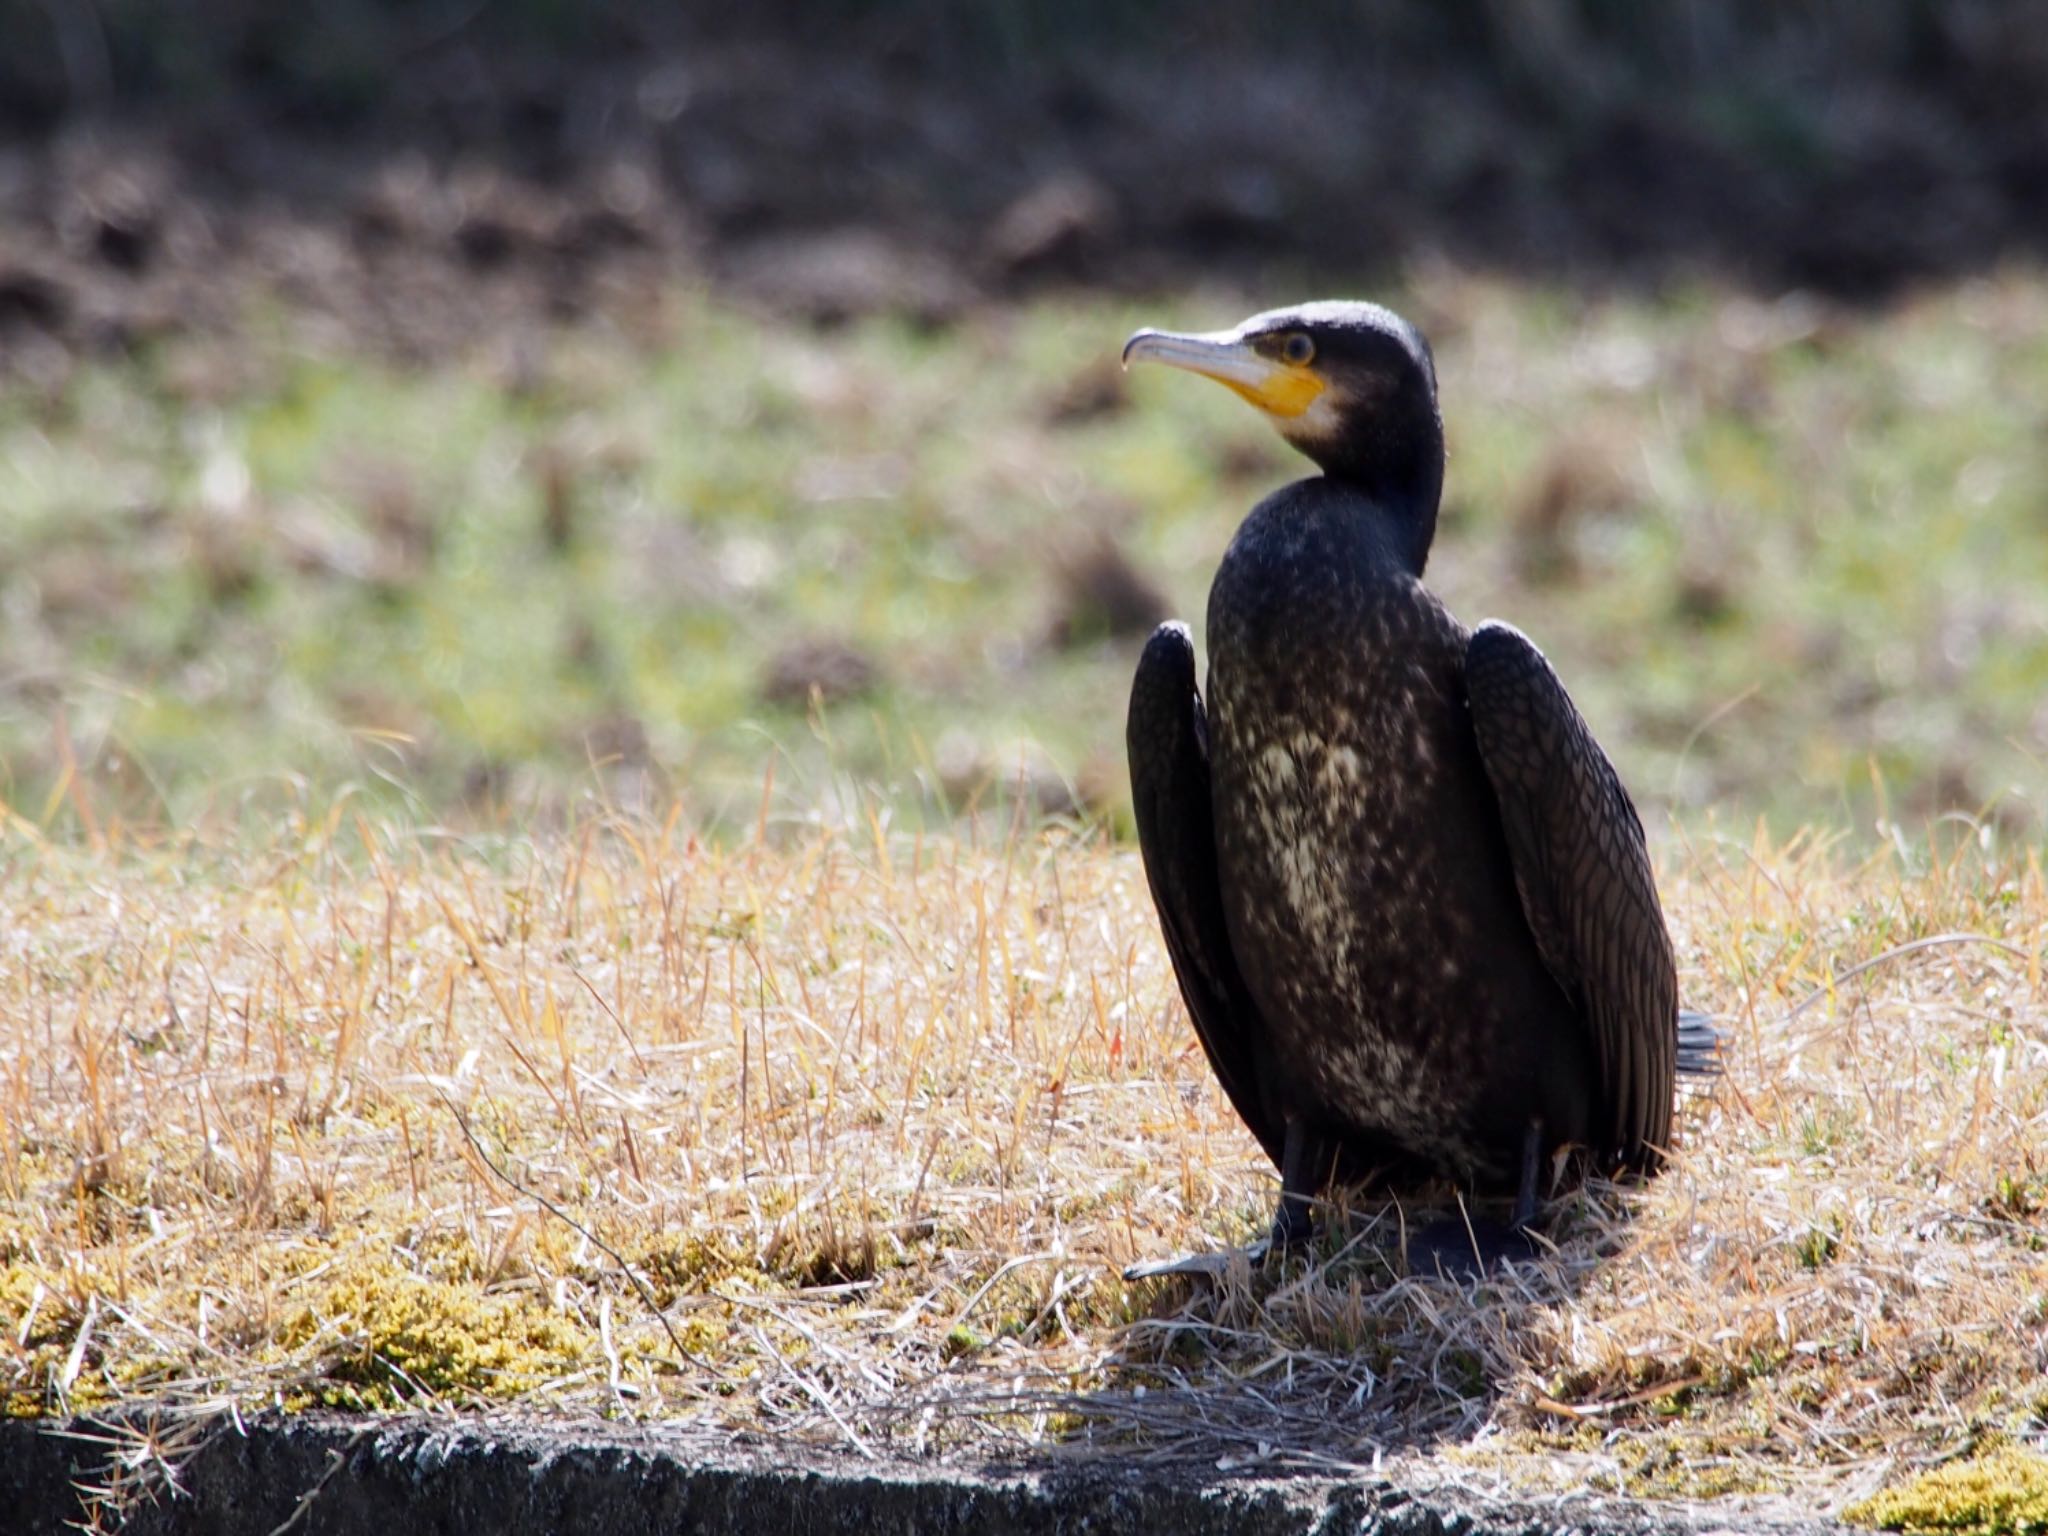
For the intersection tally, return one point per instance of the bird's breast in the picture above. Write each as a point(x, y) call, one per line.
point(1365, 875)
point(1330, 787)
point(1339, 759)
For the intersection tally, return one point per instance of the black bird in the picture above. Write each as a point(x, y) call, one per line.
point(1405, 894)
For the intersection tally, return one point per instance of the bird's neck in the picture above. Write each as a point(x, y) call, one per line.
point(1401, 501)
point(1392, 459)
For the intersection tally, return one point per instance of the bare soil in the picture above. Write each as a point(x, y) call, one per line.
point(468, 181)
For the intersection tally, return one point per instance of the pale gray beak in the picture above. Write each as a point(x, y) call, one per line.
point(1216, 354)
point(1283, 390)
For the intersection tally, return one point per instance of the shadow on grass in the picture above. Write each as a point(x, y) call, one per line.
point(1361, 1347)
point(1331, 1359)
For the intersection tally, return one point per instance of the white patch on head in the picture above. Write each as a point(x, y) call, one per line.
point(1314, 426)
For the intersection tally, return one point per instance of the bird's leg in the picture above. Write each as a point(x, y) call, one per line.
point(1301, 1169)
point(1532, 1159)
point(1469, 1246)
point(1303, 1160)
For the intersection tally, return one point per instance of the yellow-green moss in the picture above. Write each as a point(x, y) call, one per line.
point(1662, 1466)
point(33, 1353)
point(675, 1266)
point(386, 1333)
point(2001, 1493)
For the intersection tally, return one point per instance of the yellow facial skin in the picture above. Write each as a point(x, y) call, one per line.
point(1279, 388)
point(1288, 391)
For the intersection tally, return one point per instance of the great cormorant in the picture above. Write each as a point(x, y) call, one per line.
point(1405, 894)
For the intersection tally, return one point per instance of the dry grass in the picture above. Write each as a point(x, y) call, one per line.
point(366, 1119)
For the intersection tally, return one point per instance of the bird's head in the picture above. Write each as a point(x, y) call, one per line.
point(1349, 384)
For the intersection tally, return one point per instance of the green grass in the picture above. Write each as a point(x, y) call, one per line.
point(1787, 557)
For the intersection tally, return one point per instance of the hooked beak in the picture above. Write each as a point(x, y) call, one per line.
point(1278, 388)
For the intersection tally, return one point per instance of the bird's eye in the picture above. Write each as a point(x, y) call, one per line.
point(1298, 349)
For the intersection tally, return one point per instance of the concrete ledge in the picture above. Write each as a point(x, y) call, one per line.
point(392, 1477)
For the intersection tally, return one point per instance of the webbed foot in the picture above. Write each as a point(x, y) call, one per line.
point(1206, 1266)
point(1466, 1248)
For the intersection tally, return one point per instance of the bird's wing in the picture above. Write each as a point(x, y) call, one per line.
point(1583, 872)
point(1168, 739)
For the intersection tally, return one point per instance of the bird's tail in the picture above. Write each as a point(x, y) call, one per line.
point(1699, 1045)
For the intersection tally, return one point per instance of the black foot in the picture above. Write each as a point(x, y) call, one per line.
point(1286, 1237)
point(1292, 1229)
point(1459, 1249)
point(1304, 1165)
point(1206, 1266)
point(1532, 1161)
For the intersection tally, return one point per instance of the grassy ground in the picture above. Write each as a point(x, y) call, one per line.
point(833, 1132)
point(809, 1108)
point(1785, 554)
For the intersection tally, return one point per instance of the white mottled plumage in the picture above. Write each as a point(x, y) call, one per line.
point(1316, 798)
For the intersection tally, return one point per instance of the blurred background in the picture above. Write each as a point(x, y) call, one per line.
point(489, 406)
